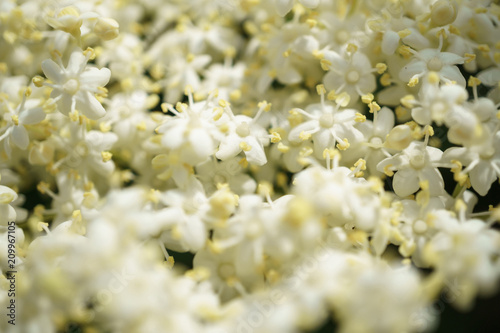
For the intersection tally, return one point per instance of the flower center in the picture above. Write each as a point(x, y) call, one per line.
point(226, 270)
point(243, 130)
point(352, 76)
point(326, 120)
point(253, 230)
point(419, 227)
point(417, 160)
point(81, 149)
point(487, 153)
point(376, 140)
point(71, 87)
point(435, 64)
point(342, 36)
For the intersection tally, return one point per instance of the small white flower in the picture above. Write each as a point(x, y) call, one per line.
point(415, 164)
point(75, 86)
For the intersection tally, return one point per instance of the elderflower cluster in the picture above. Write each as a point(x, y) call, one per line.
point(247, 166)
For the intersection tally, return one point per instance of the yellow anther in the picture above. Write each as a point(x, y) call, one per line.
point(275, 137)
point(343, 99)
point(223, 103)
point(230, 52)
point(287, 53)
point(460, 205)
point(41, 226)
point(381, 67)
point(343, 145)
point(385, 80)
point(408, 101)
point(318, 54)
point(454, 30)
point(368, 98)
point(273, 73)
point(90, 53)
point(388, 171)
point(106, 156)
point(38, 81)
point(311, 23)
point(153, 196)
point(442, 33)
point(405, 51)
point(404, 33)
point(331, 95)
point(473, 81)
point(265, 106)
point(306, 151)
point(361, 164)
point(265, 188)
point(352, 48)
point(433, 77)
point(359, 118)
point(244, 163)
point(74, 116)
point(325, 64)
point(304, 136)
point(429, 130)
point(218, 112)
point(469, 57)
point(320, 89)
point(245, 146)
point(190, 57)
point(188, 89)
point(15, 119)
point(330, 153)
point(496, 57)
point(235, 95)
point(283, 148)
point(483, 48)
point(413, 82)
point(42, 187)
point(141, 126)
point(373, 106)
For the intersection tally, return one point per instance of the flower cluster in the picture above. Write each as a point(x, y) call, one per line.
point(315, 159)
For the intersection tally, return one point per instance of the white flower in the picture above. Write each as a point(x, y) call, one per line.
point(75, 86)
point(482, 163)
point(415, 164)
point(28, 112)
point(244, 134)
point(328, 126)
point(353, 75)
point(284, 6)
point(433, 60)
point(192, 130)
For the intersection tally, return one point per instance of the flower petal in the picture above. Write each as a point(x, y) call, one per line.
point(52, 71)
point(20, 137)
point(405, 182)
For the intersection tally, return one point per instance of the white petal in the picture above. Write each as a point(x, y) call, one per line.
point(93, 77)
point(20, 137)
point(32, 116)
point(481, 177)
point(256, 155)
point(405, 182)
point(390, 42)
point(310, 3)
point(283, 6)
point(77, 60)
point(229, 147)
point(308, 126)
point(384, 123)
point(433, 176)
point(201, 142)
point(89, 105)
point(52, 71)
